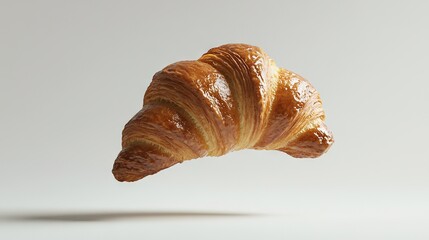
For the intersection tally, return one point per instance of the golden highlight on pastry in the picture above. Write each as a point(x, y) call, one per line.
point(234, 97)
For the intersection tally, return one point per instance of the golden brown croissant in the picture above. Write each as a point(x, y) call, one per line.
point(234, 97)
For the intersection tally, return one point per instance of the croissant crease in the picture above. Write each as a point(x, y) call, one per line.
point(234, 97)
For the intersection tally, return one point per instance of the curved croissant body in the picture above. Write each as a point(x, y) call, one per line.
point(234, 97)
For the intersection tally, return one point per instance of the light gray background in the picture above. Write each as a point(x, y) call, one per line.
point(72, 73)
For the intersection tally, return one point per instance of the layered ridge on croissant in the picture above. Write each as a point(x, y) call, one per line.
point(234, 97)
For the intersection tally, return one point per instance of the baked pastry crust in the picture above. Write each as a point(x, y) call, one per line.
point(234, 97)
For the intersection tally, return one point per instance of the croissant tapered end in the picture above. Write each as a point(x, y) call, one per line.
point(311, 144)
point(138, 161)
point(234, 97)
point(123, 172)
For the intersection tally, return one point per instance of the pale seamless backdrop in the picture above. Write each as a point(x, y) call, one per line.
point(72, 73)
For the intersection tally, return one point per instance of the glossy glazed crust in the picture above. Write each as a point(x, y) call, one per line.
point(233, 97)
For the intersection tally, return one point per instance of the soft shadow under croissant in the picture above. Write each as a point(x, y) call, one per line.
point(234, 97)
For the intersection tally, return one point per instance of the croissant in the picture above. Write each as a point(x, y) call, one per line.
point(234, 97)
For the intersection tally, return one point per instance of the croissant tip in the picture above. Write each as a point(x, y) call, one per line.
point(122, 173)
